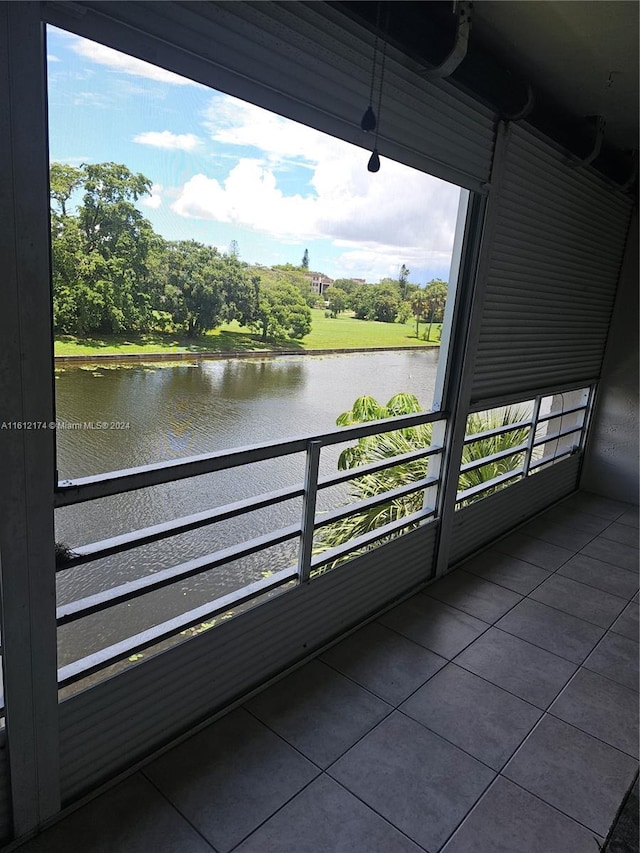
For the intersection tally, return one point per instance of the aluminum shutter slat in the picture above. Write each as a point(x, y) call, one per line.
point(572, 236)
point(523, 299)
point(508, 264)
point(519, 180)
point(533, 150)
point(552, 270)
point(540, 215)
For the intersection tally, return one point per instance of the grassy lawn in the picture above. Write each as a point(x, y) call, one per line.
point(342, 332)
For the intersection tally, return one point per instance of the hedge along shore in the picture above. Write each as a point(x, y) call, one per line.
point(213, 355)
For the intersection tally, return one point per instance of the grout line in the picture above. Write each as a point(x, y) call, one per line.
point(591, 734)
point(382, 698)
point(608, 562)
point(516, 695)
point(283, 739)
point(178, 811)
point(591, 586)
point(279, 809)
point(551, 805)
point(376, 812)
point(466, 751)
point(582, 619)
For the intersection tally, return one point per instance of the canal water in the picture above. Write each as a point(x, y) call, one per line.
point(169, 411)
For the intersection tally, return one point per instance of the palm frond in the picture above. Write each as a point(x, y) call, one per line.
point(398, 442)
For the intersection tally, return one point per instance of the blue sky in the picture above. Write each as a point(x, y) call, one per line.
point(224, 170)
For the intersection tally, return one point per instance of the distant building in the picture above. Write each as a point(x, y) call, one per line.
point(320, 283)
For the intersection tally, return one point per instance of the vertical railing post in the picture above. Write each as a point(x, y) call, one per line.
point(587, 415)
point(309, 509)
point(432, 494)
point(532, 436)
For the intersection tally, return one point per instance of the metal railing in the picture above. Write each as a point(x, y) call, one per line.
point(71, 492)
point(531, 462)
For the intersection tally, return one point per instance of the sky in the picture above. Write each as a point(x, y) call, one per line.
point(223, 169)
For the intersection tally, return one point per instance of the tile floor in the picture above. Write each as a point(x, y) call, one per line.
point(496, 712)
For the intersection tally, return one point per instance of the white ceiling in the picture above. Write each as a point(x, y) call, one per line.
point(581, 53)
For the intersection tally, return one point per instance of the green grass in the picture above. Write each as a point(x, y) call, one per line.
point(343, 332)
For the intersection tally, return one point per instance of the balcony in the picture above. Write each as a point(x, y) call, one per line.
point(496, 710)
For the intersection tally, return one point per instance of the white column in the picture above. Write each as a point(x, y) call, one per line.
point(27, 456)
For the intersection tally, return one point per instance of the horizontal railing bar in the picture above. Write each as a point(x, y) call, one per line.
point(489, 433)
point(117, 544)
point(70, 492)
point(494, 457)
point(554, 436)
point(125, 648)
point(393, 494)
point(546, 459)
point(362, 541)
point(141, 586)
point(552, 415)
point(488, 484)
point(373, 467)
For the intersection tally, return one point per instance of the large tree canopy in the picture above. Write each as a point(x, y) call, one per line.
point(101, 252)
point(281, 312)
point(113, 273)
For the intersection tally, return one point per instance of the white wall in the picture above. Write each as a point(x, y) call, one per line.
point(611, 462)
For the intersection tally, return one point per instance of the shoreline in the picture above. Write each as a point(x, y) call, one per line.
point(213, 355)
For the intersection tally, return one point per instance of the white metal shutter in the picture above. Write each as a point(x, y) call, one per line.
point(482, 522)
point(107, 728)
point(306, 61)
point(554, 262)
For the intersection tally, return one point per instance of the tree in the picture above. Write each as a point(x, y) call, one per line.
point(63, 181)
point(362, 301)
point(101, 277)
point(418, 306)
point(281, 312)
point(376, 301)
point(403, 279)
point(337, 299)
point(385, 303)
point(203, 288)
point(290, 274)
point(347, 284)
point(404, 312)
point(435, 294)
point(234, 249)
point(305, 259)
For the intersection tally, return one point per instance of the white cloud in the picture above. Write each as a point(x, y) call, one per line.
point(72, 161)
point(249, 196)
point(51, 57)
point(91, 99)
point(154, 199)
point(397, 215)
point(166, 139)
point(127, 64)
point(376, 262)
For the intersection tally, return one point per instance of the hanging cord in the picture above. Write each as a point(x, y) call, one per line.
point(374, 161)
point(368, 121)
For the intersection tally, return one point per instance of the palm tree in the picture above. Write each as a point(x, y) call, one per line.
point(435, 294)
point(390, 444)
point(419, 304)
